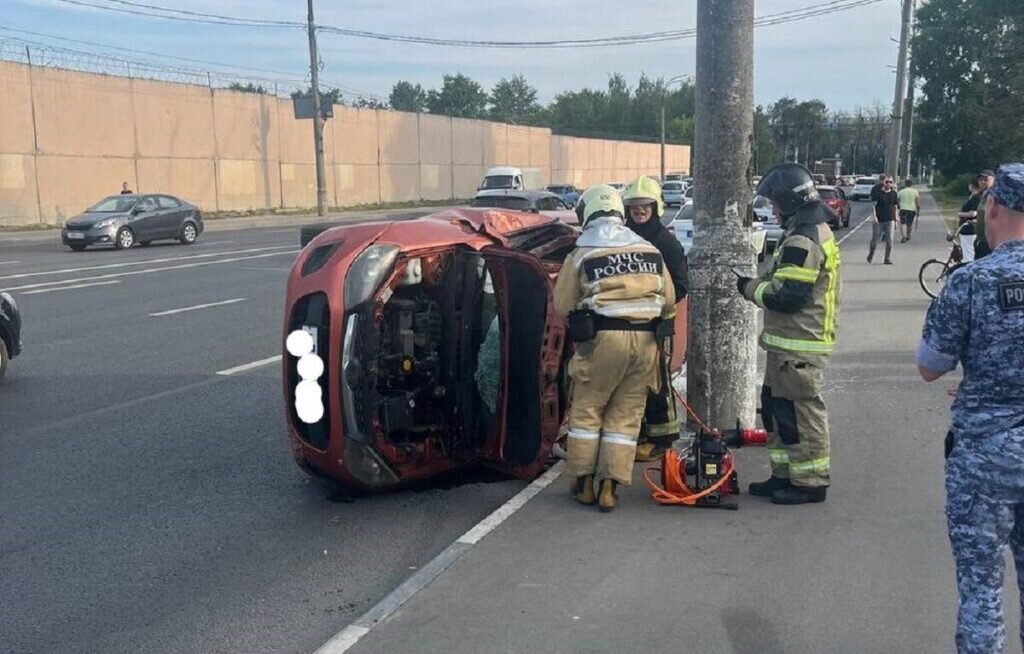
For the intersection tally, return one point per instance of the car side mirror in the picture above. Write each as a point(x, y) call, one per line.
point(137, 210)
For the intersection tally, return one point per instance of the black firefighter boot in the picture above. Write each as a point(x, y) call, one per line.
point(583, 490)
point(768, 487)
point(799, 495)
point(607, 499)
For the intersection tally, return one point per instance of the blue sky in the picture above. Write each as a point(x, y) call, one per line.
point(845, 59)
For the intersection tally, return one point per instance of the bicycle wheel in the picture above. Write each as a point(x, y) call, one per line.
point(932, 276)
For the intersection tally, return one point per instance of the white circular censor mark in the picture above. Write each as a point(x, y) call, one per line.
point(308, 391)
point(299, 343)
point(310, 367)
point(309, 409)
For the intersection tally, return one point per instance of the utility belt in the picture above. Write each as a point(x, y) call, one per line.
point(584, 325)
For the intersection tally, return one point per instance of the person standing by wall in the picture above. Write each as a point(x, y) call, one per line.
point(978, 322)
point(125, 190)
point(886, 203)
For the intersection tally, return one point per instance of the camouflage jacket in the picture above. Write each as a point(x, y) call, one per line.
point(978, 322)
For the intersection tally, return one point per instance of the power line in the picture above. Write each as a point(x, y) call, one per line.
point(149, 10)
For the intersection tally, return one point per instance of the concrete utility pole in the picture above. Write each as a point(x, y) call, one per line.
point(892, 152)
point(318, 119)
point(722, 356)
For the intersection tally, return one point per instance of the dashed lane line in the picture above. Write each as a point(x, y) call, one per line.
point(171, 312)
point(72, 287)
point(250, 366)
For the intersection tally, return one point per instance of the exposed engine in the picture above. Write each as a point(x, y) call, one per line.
point(409, 365)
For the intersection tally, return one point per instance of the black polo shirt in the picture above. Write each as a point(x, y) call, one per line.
point(884, 201)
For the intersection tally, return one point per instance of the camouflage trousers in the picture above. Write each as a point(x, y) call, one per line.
point(984, 514)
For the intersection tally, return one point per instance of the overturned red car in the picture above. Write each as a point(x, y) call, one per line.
point(440, 345)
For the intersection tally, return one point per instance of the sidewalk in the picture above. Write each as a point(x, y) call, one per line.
point(868, 571)
point(264, 221)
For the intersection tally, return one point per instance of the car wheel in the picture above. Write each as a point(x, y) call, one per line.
point(189, 234)
point(125, 239)
point(4, 356)
point(77, 247)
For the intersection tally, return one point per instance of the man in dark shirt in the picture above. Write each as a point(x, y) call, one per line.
point(125, 190)
point(886, 203)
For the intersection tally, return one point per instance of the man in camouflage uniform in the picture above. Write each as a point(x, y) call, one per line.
point(800, 298)
point(613, 289)
point(978, 322)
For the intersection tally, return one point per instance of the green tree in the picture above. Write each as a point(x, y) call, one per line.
point(764, 152)
point(326, 94)
point(514, 101)
point(971, 58)
point(459, 96)
point(247, 88)
point(680, 128)
point(406, 96)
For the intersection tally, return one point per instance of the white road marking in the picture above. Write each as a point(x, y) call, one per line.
point(8, 263)
point(850, 233)
point(143, 263)
point(68, 288)
point(151, 270)
point(268, 268)
point(171, 312)
point(352, 634)
point(250, 366)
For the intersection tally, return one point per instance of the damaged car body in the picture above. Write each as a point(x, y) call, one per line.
point(440, 344)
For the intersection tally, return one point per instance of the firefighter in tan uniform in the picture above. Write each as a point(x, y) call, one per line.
point(614, 292)
point(800, 298)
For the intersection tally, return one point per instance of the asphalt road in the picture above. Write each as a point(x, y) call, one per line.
point(869, 571)
point(149, 504)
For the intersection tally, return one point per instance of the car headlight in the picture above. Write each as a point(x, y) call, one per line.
point(10, 298)
point(103, 223)
point(367, 272)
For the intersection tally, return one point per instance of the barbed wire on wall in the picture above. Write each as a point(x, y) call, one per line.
point(47, 55)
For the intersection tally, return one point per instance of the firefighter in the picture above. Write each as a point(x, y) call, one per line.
point(644, 211)
point(614, 291)
point(800, 298)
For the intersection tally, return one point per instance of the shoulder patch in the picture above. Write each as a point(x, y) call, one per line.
point(1011, 296)
point(793, 255)
point(623, 263)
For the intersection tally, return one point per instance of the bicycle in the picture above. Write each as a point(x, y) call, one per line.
point(933, 273)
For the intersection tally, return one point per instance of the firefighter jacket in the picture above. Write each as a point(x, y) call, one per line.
point(800, 295)
point(615, 273)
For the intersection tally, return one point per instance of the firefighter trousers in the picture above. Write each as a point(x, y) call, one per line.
point(611, 376)
point(661, 421)
point(794, 414)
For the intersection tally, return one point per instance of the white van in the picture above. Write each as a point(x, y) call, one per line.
point(511, 178)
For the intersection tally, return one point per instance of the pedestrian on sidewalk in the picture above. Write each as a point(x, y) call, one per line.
point(978, 322)
point(800, 298)
point(909, 201)
point(981, 246)
point(886, 203)
point(615, 292)
point(660, 426)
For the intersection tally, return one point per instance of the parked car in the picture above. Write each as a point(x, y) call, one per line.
point(543, 202)
point(862, 188)
point(618, 186)
point(672, 193)
point(126, 220)
point(835, 199)
point(569, 193)
point(439, 343)
point(765, 215)
point(10, 331)
point(682, 227)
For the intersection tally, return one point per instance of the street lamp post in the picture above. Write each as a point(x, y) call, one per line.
point(664, 92)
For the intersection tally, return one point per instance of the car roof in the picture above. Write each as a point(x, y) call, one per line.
point(504, 170)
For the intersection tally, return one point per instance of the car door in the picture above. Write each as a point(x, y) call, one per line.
point(172, 214)
point(145, 219)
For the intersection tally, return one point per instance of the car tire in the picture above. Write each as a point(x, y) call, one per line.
point(125, 239)
point(4, 356)
point(77, 247)
point(189, 233)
